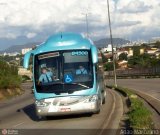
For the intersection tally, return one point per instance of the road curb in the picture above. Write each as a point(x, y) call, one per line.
point(153, 102)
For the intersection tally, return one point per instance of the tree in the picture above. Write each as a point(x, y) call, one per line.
point(132, 61)
point(136, 50)
point(155, 62)
point(157, 44)
point(104, 59)
point(143, 61)
point(109, 66)
point(123, 56)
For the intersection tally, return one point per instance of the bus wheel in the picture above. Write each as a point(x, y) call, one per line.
point(49, 117)
point(98, 111)
point(41, 118)
point(89, 114)
point(104, 101)
point(104, 98)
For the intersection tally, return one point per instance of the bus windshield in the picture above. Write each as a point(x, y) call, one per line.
point(63, 71)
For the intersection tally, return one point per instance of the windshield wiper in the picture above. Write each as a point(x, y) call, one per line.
point(80, 84)
point(51, 83)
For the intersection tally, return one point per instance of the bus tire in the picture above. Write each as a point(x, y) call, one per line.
point(104, 101)
point(49, 117)
point(41, 118)
point(98, 111)
point(89, 114)
point(104, 98)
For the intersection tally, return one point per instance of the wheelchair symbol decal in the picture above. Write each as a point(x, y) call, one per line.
point(68, 78)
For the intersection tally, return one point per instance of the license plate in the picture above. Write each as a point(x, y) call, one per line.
point(65, 109)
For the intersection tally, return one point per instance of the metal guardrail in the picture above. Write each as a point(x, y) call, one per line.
point(135, 72)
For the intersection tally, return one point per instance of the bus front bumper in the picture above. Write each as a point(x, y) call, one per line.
point(76, 108)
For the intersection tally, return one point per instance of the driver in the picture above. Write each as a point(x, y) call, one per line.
point(46, 76)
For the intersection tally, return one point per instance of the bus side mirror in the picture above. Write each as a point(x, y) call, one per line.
point(27, 59)
point(94, 55)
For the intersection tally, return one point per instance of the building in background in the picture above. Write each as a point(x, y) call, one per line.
point(151, 51)
point(23, 71)
point(25, 50)
point(141, 51)
point(130, 52)
point(123, 64)
point(108, 49)
point(11, 54)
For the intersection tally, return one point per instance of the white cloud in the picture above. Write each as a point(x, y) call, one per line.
point(10, 36)
point(135, 6)
point(32, 18)
point(31, 35)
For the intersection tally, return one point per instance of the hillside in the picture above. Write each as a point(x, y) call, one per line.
point(18, 48)
point(106, 41)
point(98, 43)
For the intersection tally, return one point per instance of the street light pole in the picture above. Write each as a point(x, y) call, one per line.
point(113, 55)
point(86, 15)
point(87, 24)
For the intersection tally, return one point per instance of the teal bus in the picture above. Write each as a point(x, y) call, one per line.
point(67, 76)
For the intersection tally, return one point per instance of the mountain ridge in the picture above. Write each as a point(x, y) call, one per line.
point(18, 48)
point(99, 43)
point(105, 41)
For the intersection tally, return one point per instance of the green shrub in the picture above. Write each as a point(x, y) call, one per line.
point(10, 81)
point(109, 66)
point(139, 115)
point(25, 78)
point(9, 76)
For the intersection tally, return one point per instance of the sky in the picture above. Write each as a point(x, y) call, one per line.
point(23, 21)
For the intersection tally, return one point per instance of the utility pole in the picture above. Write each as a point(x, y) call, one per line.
point(113, 55)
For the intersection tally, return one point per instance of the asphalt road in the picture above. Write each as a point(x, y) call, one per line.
point(148, 86)
point(19, 113)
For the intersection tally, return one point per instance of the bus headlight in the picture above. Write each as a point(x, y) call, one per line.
point(42, 103)
point(92, 98)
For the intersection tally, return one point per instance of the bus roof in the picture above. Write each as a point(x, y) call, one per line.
point(64, 41)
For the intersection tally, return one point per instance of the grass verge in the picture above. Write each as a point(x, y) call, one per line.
point(139, 116)
point(10, 81)
point(10, 93)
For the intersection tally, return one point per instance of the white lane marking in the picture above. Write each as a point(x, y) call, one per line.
point(18, 124)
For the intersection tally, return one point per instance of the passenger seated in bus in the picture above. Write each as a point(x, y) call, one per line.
point(46, 76)
point(81, 71)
